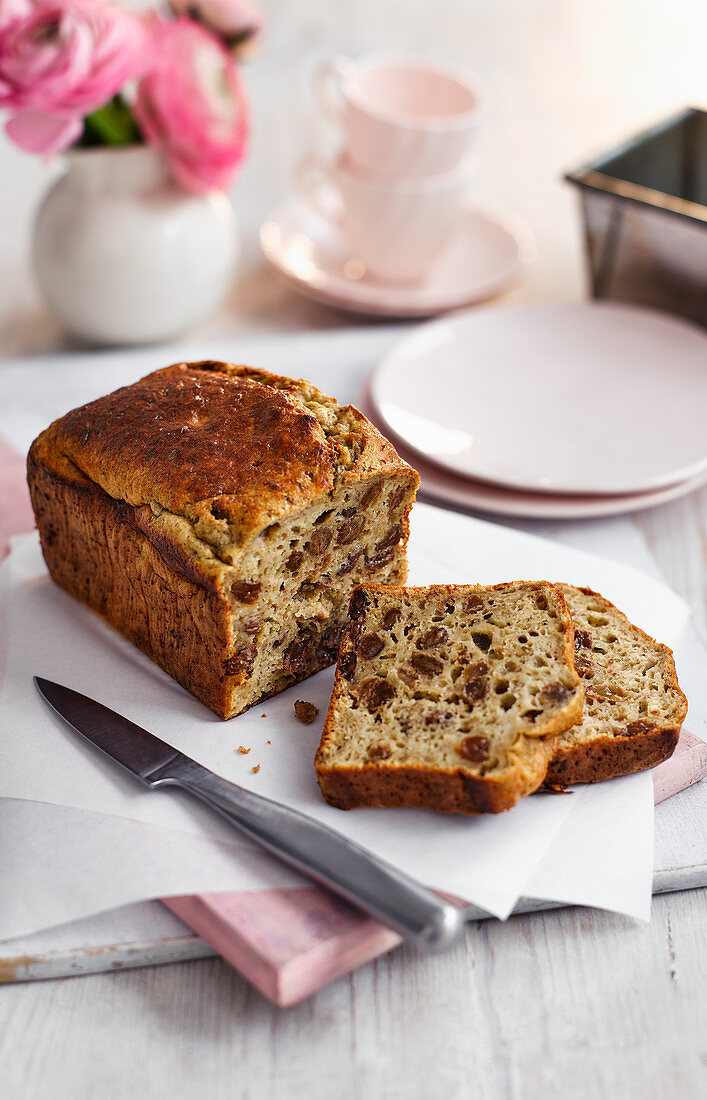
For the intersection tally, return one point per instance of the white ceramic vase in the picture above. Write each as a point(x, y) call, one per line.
point(123, 256)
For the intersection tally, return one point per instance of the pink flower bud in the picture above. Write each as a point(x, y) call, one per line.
point(235, 21)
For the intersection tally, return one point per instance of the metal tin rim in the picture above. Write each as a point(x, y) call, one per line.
point(593, 178)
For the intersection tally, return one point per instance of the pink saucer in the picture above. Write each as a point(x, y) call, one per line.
point(488, 255)
point(439, 486)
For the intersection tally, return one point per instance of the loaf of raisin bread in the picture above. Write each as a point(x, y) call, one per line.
point(219, 517)
point(633, 705)
point(448, 697)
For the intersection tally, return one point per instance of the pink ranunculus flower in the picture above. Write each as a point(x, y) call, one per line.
point(236, 21)
point(192, 106)
point(62, 60)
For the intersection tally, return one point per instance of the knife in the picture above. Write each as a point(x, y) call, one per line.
point(317, 851)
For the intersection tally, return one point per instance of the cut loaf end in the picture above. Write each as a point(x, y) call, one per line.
point(449, 698)
point(304, 572)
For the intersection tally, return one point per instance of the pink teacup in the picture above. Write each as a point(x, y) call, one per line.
point(400, 116)
point(395, 226)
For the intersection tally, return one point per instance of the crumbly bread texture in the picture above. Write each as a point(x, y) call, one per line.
point(219, 517)
point(633, 706)
point(448, 697)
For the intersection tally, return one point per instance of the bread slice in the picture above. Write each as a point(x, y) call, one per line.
point(448, 697)
point(219, 517)
point(633, 705)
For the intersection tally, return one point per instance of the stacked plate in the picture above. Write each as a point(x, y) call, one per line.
point(550, 411)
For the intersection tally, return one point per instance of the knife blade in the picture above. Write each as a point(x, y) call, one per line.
point(327, 857)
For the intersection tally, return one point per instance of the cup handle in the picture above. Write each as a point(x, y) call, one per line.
point(328, 80)
point(315, 186)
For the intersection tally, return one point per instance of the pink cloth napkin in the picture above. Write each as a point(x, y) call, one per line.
point(15, 509)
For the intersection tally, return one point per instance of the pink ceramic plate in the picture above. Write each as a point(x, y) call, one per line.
point(477, 496)
point(487, 255)
point(567, 398)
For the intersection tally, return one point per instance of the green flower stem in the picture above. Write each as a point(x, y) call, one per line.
point(112, 124)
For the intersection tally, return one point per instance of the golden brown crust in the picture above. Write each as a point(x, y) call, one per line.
point(83, 532)
point(360, 447)
point(608, 757)
point(445, 790)
point(212, 441)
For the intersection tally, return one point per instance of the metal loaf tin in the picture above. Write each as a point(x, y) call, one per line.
point(644, 206)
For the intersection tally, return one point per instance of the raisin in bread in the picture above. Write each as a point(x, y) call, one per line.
point(633, 706)
point(219, 517)
point(448, 697)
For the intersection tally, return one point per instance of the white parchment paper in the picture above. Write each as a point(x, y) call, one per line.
point(88, 837)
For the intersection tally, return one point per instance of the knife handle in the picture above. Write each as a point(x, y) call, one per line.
point(330, 859)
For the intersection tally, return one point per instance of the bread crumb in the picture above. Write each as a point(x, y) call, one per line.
point(255, 769)
point(554, 788)
point(243, 749)
point(305, 712)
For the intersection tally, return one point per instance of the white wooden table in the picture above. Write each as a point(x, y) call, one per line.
point(569, 1003)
